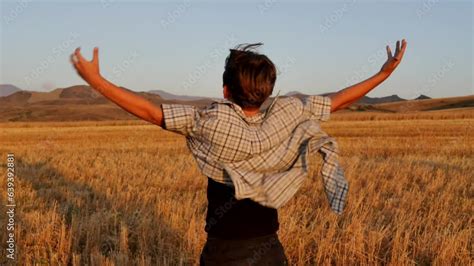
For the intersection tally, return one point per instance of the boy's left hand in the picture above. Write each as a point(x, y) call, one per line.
point(88, 70)
point(393, 61)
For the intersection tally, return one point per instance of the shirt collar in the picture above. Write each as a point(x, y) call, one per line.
point(257, 118)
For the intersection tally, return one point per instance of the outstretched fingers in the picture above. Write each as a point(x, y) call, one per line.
point(95, 57)
point(389, 52)
point(401, 51)
point(78, 55)
point(75, 61)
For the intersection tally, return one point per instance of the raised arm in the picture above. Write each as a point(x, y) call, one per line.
point(351, 94)
point(129, 101)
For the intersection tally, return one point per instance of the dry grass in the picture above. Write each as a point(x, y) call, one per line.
point(116, 193)
point(447, 114)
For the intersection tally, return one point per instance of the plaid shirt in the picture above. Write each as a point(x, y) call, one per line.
point(264, 156)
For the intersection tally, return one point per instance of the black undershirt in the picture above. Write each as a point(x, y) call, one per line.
point(229, 218)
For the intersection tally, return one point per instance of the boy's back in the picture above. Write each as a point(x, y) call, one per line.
point(253, 161)
point(263, 156)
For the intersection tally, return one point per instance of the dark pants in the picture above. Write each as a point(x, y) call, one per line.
point(263, 250)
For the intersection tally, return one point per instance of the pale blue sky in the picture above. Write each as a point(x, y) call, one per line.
point(180, 46)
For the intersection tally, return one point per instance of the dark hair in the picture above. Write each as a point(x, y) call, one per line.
point(249, 76)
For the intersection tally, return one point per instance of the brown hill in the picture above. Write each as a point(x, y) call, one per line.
point(17, 98)
point(81, 102)
point(73, 103)
point(422, 97)
point(80, 94)
point(170, 96)
point(428, 104)
point(7, 89)
point(363, 100)
point(80, 91)
point(378, 100)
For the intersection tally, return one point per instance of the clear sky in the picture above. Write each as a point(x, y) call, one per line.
point(180, 46)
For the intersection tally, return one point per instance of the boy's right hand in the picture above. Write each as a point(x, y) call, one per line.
point(393, 61)
point(87, 70)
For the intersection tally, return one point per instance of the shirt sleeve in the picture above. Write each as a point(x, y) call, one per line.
point(179, 118)
point(317, 107)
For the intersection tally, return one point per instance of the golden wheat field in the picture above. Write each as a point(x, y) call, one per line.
point(130, 193)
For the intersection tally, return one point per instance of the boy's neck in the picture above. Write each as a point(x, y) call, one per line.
point(251, 112)
point(248, 111)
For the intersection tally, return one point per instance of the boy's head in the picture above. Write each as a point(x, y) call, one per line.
point(249, 77)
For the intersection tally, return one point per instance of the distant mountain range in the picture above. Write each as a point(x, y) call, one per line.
point(73, 103)
point(7, 89)
point(170, 96)
point(366, 99)
point(81, 102)
point(422, 97)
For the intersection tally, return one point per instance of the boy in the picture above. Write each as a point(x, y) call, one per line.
point(254, 160)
